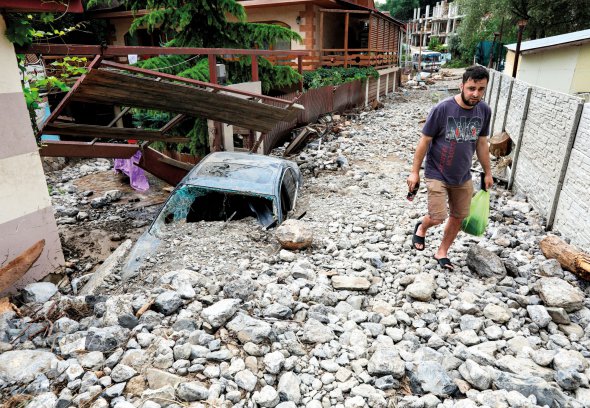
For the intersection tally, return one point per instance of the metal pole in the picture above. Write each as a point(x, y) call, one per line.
point(521, 26)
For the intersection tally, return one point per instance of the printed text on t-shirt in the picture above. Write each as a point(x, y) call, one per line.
point(463, 129)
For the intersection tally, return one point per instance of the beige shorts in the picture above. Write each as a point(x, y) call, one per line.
point(458, 198)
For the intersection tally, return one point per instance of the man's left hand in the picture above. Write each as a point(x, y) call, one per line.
point(488, 181)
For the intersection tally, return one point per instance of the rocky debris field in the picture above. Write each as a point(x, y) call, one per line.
point(221, 316)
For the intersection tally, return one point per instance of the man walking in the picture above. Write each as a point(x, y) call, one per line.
point(455, 128)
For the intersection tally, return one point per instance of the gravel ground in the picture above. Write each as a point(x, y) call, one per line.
point(223, 316)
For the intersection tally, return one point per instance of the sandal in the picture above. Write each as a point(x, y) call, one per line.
point(445, 263)
point(416, 239)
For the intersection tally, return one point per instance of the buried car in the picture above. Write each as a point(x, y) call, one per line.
point(222, 187)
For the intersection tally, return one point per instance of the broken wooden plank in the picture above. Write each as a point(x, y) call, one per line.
point(117, 133)
point(107, 268)
point(18, 267)
point(110, 88)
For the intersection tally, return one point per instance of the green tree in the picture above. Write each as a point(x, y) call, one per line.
point(208, 24)
point(544, 18)
point(401, 9)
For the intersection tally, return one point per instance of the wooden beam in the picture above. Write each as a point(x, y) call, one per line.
point(346, 23)
point(321, 36)
point(102, 132)
point(194, 82)
point(212, 69)
point(123, 50)
point(345, 11)
point(84, 149)
point(254, 68)
point(175, 121)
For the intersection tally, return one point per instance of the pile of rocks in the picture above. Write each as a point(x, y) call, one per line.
point(223, 316)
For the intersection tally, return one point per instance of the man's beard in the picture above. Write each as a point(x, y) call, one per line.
point(467, 101)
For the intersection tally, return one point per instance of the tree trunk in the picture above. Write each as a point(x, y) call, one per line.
point(500, 144)
point(17, 268)
point(567, 255)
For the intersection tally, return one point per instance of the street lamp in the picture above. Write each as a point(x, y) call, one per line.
point(521, 25)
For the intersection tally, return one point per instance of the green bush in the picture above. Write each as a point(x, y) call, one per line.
point(336, 76)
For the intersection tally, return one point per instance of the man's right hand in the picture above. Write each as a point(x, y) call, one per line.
point(413, 181)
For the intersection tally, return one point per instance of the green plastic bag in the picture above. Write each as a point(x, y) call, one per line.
point(479, 212)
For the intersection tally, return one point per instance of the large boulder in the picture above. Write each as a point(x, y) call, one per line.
point(294, 234)
point(485, 263)
point(22, 366)
point(556, 292)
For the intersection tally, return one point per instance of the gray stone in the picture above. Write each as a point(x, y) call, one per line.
point(570, 359)
point(122, 373)
point(568, 379)
point(266, 397)
point(38, 292)
point(22, 366)
point(386, 361)
point(289, 387)
point(249, 329)
point(106, 339)
point(545, 393)
point(539, 315)
point(350, 283)
point(219, 313)
point(45, 400)
point(273, 362)
point(422, 288)
point(164, 396)
point(72, 344)
point(316, 332)
point(168, 302)
point(294, 234)
point(192, 391)
point(431, 377)
point(551, 268)
point(523, 366)
point(115, 390)
point(485, 263)
point(497, 313)
point(93, 360)
point(158, 378)
point(556, 292)
point(475, 375)
point(246, 380)
point(583, 396)
point(277, 311)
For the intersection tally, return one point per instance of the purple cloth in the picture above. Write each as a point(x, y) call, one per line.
point(454, 133)
point(137, 178)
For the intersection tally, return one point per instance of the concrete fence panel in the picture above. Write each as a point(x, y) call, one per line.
point(505, 88)
point(550, 123)
point(573, 210)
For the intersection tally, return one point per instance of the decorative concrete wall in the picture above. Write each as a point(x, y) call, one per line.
point(505, 85)
point(550, 122)
point(26, 215)
point(573, 209)
point(551, 161)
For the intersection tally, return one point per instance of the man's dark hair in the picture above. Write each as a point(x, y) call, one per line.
point(477, 73)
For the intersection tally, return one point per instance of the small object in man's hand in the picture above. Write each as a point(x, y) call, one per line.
point(412, 194)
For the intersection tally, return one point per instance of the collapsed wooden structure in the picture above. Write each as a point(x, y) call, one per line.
point(118, 85)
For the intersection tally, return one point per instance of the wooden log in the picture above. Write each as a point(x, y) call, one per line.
point(568, 256)
point(17, 268)
point(500, 144)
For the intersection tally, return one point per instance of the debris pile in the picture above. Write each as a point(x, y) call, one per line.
point(223, 316)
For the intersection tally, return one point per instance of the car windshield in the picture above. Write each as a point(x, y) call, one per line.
point(197, 203)
point(235, 176)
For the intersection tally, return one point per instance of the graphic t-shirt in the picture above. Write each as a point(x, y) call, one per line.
point(454, 133)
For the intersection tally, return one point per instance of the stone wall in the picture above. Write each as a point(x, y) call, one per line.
point(551, 161)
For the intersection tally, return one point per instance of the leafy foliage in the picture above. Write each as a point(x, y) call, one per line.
point(435, 45)
point(401, 9)
point(336, 76)
point(544, 18)
point(203, 23)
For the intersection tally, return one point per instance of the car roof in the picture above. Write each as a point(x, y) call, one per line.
point(239, 171)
